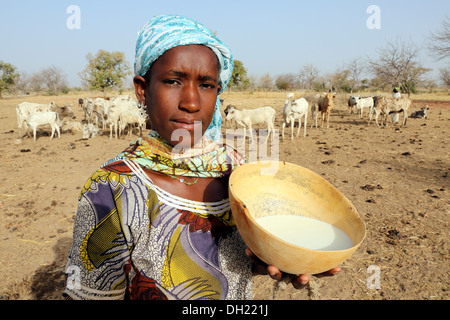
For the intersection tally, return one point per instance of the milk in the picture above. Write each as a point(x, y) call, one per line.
point(306, 232)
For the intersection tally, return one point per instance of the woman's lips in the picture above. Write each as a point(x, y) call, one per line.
point(186, 124)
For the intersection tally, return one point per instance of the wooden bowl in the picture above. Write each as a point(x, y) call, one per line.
point(279, 188)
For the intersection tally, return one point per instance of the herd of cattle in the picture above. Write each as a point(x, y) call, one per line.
point(116, 114)
point(322, 104)
point(122, 114)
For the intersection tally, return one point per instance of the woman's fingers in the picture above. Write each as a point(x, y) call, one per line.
point(274, 273)
point(329, 273)
point(299, 282)
point(302, 280)
point(259, 267)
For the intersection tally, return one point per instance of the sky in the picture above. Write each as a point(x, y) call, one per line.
point(269, 36)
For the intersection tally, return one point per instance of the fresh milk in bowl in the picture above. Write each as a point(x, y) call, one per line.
point(306, 232)
point(293, 218)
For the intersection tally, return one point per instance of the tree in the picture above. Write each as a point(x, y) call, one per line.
point(105, 70)
point(54, 80)
point(355, 68)
point(286, 81)
point(445, 76)
point(439, 46)
point(22, 83)
point(397, 66)
point(8, 76)
point(239, 76)
point(308, 75)
point(35, 82)
point(266, 82)
point(338, 81)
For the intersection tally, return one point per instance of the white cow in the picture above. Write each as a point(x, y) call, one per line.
point(117, 106)
point(24, 111)
point(87, 104)
point(249, 117)
point(295, 110)
point(131, 119)
point(290, 96)
point(100, 111)
point(44, 118)
point(362, 103)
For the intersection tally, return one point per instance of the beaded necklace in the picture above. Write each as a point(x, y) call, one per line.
point(184, 181)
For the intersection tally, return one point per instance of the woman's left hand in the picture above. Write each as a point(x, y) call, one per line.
point(297, 281)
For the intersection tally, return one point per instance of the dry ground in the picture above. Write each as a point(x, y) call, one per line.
point(397, 178)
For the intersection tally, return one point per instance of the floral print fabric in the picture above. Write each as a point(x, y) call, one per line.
point(135, 240)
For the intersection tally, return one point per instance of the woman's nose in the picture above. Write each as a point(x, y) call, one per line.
point(190, 99)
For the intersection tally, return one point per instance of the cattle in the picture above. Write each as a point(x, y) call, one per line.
point(326, 104)
point(117, 107)
point(89, 131)
point(248, 117)
point(44, 118)
point(72, 126)
point(131, 119)
point(386, 106)
point(352, 103)
point(88, 108)
point(314, 114)
point(100, 111)
point(290, 96)
point(227, 109)
point(25, 109)
point(362, 103)
point(295, 110)
point(65, 111)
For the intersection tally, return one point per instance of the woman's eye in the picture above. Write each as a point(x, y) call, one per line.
point(171, 82)
point(207, 86)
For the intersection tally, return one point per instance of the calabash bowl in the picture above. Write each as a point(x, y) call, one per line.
point(274, 188)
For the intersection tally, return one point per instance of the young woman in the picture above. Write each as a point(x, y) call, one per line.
point(155, 222)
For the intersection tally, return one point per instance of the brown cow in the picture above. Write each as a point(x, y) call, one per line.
point(325, 104)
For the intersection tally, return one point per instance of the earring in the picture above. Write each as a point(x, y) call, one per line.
point(142, 109)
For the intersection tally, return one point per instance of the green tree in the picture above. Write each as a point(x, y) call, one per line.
point(105, 70)
point(239, 77)
point(8, 76)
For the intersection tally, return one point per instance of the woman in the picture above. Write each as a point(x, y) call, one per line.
point(155, 222)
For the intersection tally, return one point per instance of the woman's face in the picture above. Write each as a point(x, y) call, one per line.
point(182, 93)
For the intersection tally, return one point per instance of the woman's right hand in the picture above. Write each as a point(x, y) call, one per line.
point(298, 281)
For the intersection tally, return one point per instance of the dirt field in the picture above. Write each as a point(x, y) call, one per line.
point(397, 178)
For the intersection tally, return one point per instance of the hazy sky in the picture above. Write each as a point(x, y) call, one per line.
point(268, 36)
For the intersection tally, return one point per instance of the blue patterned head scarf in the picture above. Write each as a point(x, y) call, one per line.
point(164, 32)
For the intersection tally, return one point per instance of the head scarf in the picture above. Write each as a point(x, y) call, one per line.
point(164, 32)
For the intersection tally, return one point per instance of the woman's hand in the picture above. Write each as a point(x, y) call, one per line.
point(297, 281)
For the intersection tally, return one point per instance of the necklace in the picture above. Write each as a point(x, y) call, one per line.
point(184, 181)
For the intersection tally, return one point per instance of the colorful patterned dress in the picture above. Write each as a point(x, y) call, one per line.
point(135, 240)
